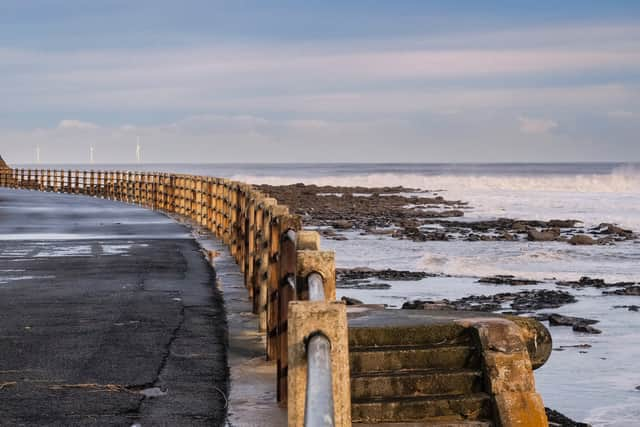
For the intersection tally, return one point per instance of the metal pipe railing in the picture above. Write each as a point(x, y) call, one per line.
point(318, 409)
point(291, 282)
point(316, 287)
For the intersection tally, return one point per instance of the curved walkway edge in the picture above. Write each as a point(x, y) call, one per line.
point(252, 390)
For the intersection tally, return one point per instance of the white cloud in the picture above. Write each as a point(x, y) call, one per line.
point(76, 124)
point(536, 125)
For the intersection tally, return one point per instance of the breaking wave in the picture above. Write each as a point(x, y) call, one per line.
point(622, 179)
point(531, 261)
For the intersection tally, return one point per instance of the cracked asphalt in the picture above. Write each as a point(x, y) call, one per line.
point(108, 316)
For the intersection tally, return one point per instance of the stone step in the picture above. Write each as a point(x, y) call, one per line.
point(367, 359)
point(431, 424)
point(421, 409)
point(424, 382)
point(443, 334)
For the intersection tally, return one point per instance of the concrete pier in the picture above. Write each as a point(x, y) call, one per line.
point(108, 316)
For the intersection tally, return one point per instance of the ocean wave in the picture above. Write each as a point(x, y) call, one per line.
point(622, 179)
point(529, 263)
point(620, 415)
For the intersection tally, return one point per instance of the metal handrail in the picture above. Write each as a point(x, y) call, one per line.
point(316, 287)
point(318, 410)
point(291, 282)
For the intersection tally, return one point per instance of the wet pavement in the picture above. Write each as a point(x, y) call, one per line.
point(108, 316)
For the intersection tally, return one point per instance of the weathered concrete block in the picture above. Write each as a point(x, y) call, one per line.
point(497, 334)
point(308, 241)
point(278, 210)
point(536, 337)
point(508, 372)
point(520, 410)
point(304, 319)
point(322, 262)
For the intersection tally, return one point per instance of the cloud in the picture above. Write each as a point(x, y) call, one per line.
point(325, 76)
point(404, 99)
point(620, 114)
point(215, 138)
point(536, 125)
point(76, 124)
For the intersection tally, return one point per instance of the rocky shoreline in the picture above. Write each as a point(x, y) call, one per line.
point(411, 214)
point(525, 302)
point(339, 213)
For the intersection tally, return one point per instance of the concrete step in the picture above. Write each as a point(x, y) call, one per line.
point(430, 424)
point(423, 382)
point(442, 334)
point(475, 407)
point(388, 358)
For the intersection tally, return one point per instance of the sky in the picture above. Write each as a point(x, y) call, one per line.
point(319, 81)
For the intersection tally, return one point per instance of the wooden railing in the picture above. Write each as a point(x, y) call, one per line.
point(267, 241)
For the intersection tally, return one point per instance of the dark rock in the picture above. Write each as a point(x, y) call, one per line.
point(351, 301)
point(576, 346)
point(585, 328)
point(629, 307)
point(556, 419)
point(520, 302)
point(587, 282)
point(608, 240)
point(542, 236)
point(541, 299)
point(507, 280)
point(556, 319)
point(582, 239)
point(614, 229)
point(428, 305)
point(630, 291)
point(563, 223)
point(378, 232)
point(342, 224)
point(345, 274)
point(338, 238)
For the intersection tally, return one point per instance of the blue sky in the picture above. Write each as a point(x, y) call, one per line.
point(407, 81)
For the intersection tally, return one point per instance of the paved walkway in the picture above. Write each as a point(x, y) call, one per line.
point(108, 316)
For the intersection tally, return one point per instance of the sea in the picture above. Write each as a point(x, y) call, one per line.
point(600, 384)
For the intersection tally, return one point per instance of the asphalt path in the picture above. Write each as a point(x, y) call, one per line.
point(108, 316)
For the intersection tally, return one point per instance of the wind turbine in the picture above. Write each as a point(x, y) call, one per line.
point(91, 150)
point(138, 152)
